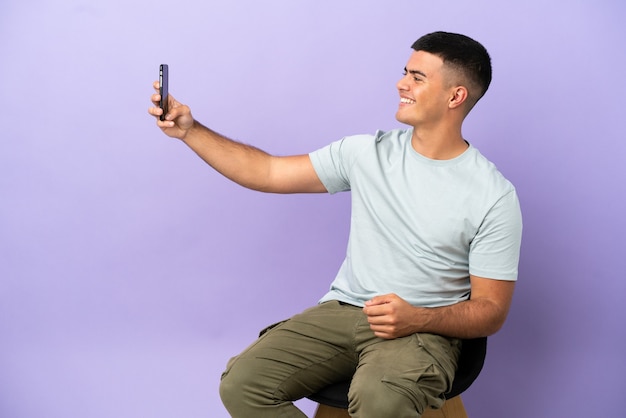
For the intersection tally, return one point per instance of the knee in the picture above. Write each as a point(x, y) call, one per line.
point(242, 389)
point(376, 398)
point(230, 389)
point(234, 385)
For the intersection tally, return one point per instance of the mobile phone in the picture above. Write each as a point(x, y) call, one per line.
point(163, 88)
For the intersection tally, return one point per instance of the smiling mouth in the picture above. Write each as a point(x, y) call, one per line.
point(404, 100)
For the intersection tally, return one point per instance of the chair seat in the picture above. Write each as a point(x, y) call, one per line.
point(452, 408)
point(471, 361)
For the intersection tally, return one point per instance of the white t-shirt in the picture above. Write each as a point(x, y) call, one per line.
point(419, 227)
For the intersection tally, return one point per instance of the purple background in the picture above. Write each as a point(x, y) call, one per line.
point(130, 272)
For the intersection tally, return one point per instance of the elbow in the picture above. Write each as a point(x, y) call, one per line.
point(495, 324)
point(493, 328)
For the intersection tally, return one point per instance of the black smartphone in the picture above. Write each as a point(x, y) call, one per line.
point(163, 89)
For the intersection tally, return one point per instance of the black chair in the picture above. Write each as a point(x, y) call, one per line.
point(333, 399)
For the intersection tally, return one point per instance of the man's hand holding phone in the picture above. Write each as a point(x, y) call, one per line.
point(173, 118)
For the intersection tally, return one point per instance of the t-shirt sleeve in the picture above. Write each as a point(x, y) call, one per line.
point(333, 163)
point(494, 251)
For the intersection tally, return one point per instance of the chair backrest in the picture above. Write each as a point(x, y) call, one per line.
point(471, 361)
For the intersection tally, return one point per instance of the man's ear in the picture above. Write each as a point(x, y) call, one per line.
point(459, 96)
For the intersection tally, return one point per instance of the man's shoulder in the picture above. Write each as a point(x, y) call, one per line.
point(379, 135)
point(491, 175)
point(392, 134)
point(364, 144)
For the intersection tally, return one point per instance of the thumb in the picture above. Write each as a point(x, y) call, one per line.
point(378, 300)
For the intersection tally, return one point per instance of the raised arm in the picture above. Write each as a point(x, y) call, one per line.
point(244, 164)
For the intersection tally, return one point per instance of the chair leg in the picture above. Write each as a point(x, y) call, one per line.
point(452, 408)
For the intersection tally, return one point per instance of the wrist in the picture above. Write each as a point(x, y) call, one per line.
point(194, 129)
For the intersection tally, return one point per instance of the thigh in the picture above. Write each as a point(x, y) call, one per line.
point(299, 356)
point(404, 375)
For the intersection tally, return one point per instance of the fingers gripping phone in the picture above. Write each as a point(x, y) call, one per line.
point(163, 89)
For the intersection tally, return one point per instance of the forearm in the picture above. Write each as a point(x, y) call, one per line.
point(390, 316)
point(244, 164)
point(241, 163)
point(469, 319)
point(480, 316)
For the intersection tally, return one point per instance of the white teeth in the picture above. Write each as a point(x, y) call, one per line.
point(406, 101)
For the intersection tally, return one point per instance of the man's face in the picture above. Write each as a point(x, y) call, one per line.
point(424, 94)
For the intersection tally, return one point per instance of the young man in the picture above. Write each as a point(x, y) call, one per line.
point(432, 222)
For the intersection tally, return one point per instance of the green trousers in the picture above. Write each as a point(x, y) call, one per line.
point(332, 342)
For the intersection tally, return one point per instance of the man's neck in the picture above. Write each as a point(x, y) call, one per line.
point(438, 144)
